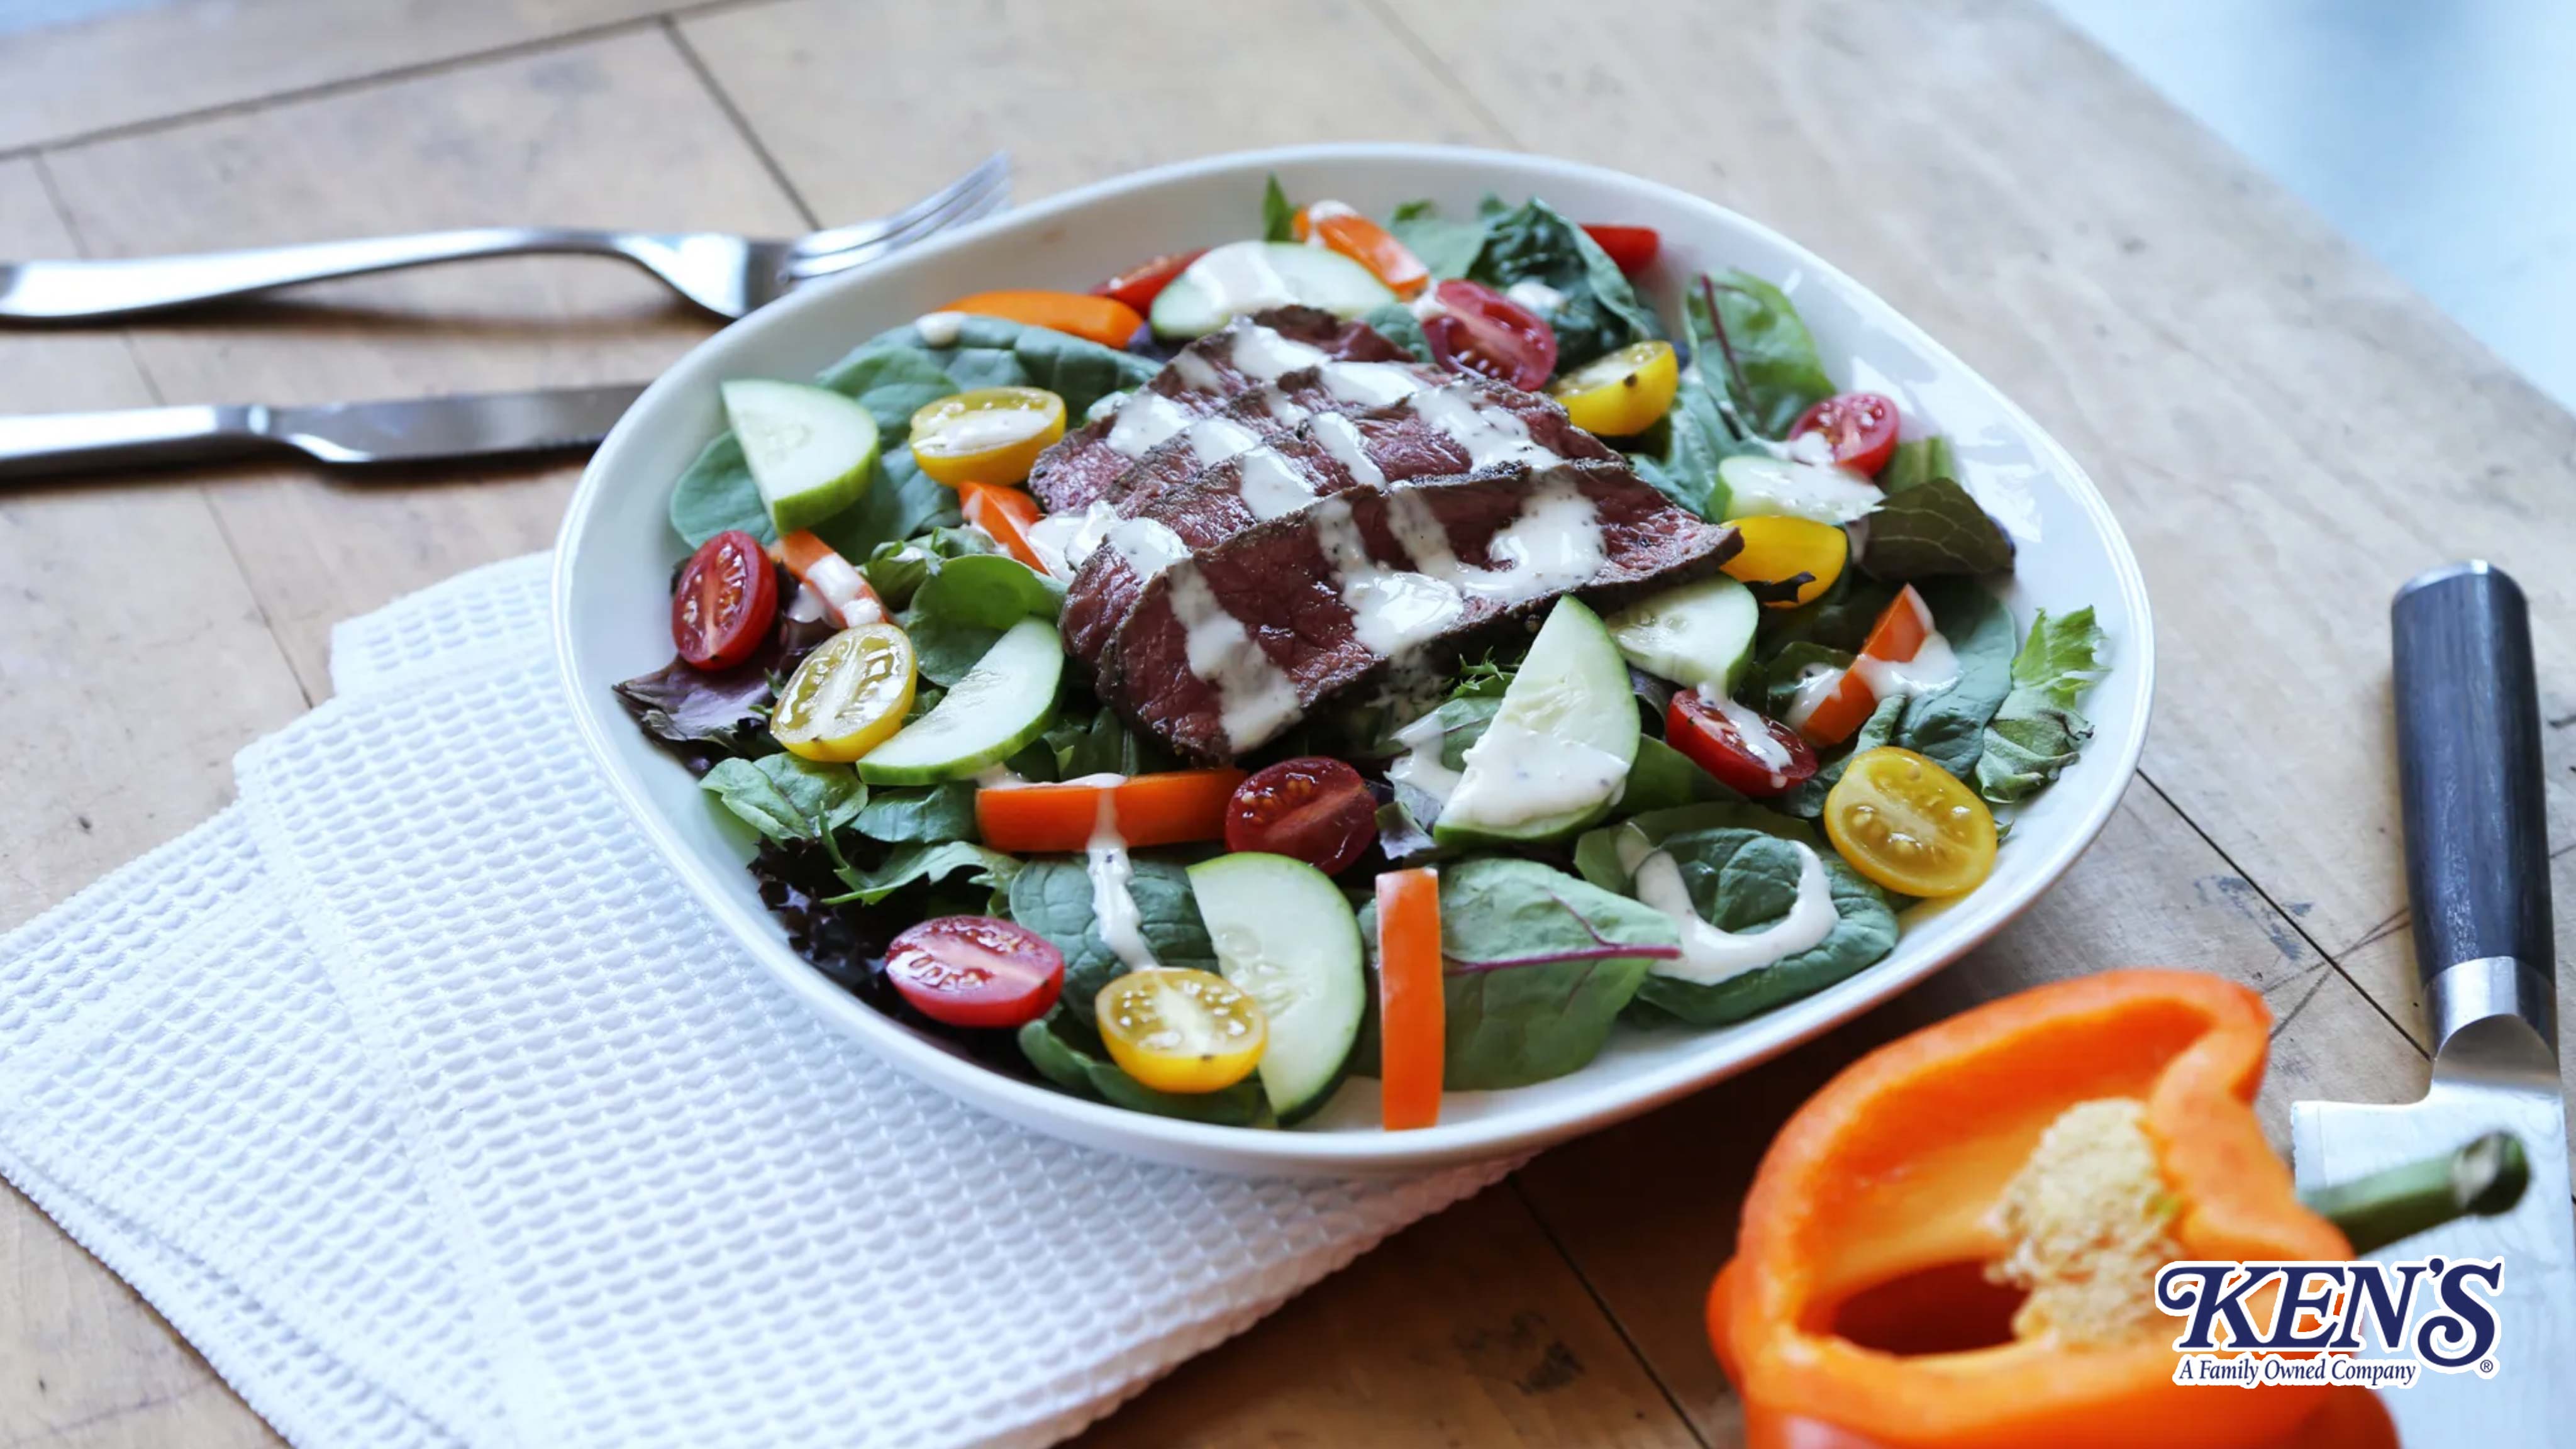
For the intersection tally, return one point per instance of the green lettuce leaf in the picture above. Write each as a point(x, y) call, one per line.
point(919, 814)
point(926, 862)
point(1764, 363)
point(787, 797)
point(896, 569)
point(1051, 895)
point(1600, 311)
point(1446, 248)
point(1278, 216)
point(1918, 460)
point(1067, 1052)
point(1931, 530)
point(964, 607)
point(2038, 732)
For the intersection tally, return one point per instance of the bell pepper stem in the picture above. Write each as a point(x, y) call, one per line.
point(2482, 1179)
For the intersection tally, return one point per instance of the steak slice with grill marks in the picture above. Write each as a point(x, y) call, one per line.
point(1201, 380)
point(1469, 422)
point(1264, 412)
point(1225, 650)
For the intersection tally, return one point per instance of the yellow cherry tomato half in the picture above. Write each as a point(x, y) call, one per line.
point(1778, 549)
point(1622, 393)
point(1909, 825)
point(990, 435)
point(848, 696)
point(1181, 1031)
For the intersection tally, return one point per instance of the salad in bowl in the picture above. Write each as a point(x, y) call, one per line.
point(1401, 647)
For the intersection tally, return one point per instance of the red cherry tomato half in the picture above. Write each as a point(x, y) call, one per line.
point(721, 608)
point(975, 971)
point(1478, 329)
point(1313, 808)
point(1139, 286)
point(1632, 247)
point(1713, 742)
point(1860, 426)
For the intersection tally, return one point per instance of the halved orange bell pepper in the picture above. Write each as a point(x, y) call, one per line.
point(1169, 807)
point(1104, 320)
point(1873, 1215)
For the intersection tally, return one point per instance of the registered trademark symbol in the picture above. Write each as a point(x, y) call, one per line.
point(2486, 1366)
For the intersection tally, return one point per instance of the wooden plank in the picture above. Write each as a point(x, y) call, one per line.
point(612, 132)
point(135, 663)
point(2285, 432)
point(72, 67)
point(1465, 1329)
point(865, 104)
point(1647, 1210)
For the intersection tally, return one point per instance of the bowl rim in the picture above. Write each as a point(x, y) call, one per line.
point(1265, 1151)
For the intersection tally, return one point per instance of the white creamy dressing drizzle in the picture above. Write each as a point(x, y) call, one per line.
point(998, 777)
point(1489, 434)
point(1753, 732)
point(1816, 684)
point(1283, 408)
point(1239, 278)
point(1113, 905)
point(1515, 774)
point(1934, 667)
point(1318, 212)
point(1369, 384)
point(939, 329)
point(1064, 540)
point(1107, 405)
point(1428, 305)
point(1195, 369)
point(1270, 485)
point(1421, 765)
point(1554, 545)
point(1144, 420)
point(1393, 611)
point(1261, 352)
point(1819, 491)
point(1710, 955)
point(1255, 698)
point(1341, 438)
point(1809, 448)
point(1147, 546)
point(1213, 440)
point(1536, 295)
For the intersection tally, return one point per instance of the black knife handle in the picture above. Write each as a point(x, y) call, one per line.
point(2469, 773)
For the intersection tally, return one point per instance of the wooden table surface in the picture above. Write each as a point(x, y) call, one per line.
point(2284, 431)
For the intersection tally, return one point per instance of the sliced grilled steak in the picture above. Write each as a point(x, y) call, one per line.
point(1264, 412)
point(1464, 424)
point(1201, 380)
point(1224, 650)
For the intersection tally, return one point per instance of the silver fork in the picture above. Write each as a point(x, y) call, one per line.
point(728, 275)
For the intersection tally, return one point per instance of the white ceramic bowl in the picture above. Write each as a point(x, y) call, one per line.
point(613, 566)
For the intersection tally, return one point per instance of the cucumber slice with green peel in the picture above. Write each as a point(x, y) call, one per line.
point(1764, 487)
point(1557, 754)
point(1003, 703)
point(812, 451)
point(1252, 276)
point(1696, 634)
point(1286, 936)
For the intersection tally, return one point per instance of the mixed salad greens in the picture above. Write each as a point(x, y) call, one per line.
point(1707, 796)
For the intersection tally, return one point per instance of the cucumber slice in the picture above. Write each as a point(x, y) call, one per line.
point(812, 451)
point(1285, 935)
point(1252, 276)
point(1763, 487)
point(1004, 702)
point(1696, 634)
point(1557, 754)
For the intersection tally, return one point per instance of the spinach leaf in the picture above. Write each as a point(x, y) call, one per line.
point(918, 814)
point(786, 797)
point(1918, 460)
point(1765, 363)
point(1777, 690)
point(892, 380)
point(1933, 529)
point(1663, 777)
point(926, 862)
point(1740, 864)
point(715, 493)
point(1840, 618)
point(1807, 799)
point(966, 605)
point(895, 569)
point(1396, 323)
point(1462, 722)
point(903, 501)
point(1445, 248)
point(2038, 732)
point(1068, 1053)
point(1697, 434)
point(1278, 217)
point(1538, 967)
point(1051, 895)
point(1600, 311)
point(996, 352)
point(1103, 745)
point(1949, 727)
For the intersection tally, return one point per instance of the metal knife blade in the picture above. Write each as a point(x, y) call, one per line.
point(2477, 870)
point(411, 430)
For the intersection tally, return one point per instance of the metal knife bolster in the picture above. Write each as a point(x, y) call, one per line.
point(2477, 847)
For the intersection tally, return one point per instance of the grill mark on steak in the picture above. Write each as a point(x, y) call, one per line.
point(1200, 381)
point(1286, 583)
point(1205, 505)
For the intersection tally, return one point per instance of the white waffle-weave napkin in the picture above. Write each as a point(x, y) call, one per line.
point(426, 1103)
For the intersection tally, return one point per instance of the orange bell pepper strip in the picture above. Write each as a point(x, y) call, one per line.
point(1104, 320)
point(1004, 514)
point(1897, 637)
point(1885, 1186)
point(837, 581)
point(1365, 242)
point(1170, 807)
point(1413, 1007)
